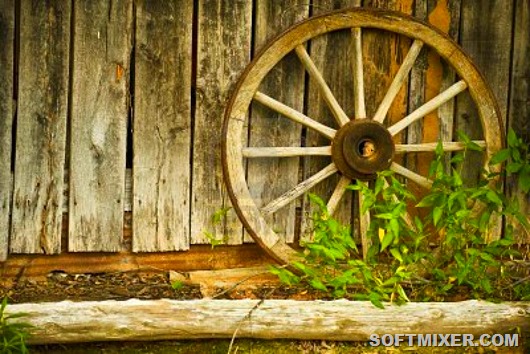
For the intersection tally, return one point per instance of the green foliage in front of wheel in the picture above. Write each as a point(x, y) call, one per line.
point(13, 335)
point(401, 262)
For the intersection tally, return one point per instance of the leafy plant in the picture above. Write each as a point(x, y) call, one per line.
point(13, 335)
point(401, 261)
point(517, 158)
point(217, 218)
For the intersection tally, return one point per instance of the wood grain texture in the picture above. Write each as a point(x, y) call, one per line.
point(270, 178)
point(102, 51)
point(432, 76)
point(68, 322)
point(332, 55)
point(162, 126)
point(7, 38)
point(386, 21)
point(486, 36)
point(224, 48)
point(519, 117)
point(41, 126)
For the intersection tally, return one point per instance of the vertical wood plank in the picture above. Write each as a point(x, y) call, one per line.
point(162, 126)
point(270, 178)
point(41, 126)
point(429, 77)
point(519, 110)
point(331, 54)
point(224, 36)
point(7, 38)
point(486, 35)
point(102, 50)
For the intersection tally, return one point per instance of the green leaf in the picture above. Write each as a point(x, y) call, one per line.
point(387, 240)
point(512, 138)
point(436, 215)
point(524, 179)
point(393, 226)
point(493, 197)
point(397, 255)
point(317, 284)
point(500, 156)
point(385, 216)
point(402, 293)
point(514, 167)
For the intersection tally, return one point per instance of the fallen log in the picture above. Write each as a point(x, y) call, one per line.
point(136, 320)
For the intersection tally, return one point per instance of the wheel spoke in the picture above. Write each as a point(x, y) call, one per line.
point(294, 115)
point(335, 198)
point(358, 75)
point(364, 225)
point(300, 189)
point(287, 151)
point(447, 146)
point(398, 81)
point(413, 176)
point(311, 68)
point(428, 107)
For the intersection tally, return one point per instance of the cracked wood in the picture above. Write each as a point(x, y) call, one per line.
point(162, 126)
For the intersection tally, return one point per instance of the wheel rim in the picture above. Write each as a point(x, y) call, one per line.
point(347, 142)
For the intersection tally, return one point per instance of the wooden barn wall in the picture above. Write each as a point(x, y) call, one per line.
point(111, 111)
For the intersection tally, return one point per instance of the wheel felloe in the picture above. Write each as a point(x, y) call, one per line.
point(361, 148)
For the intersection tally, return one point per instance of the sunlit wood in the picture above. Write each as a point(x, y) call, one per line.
point(426, 147)
point(398, 81)
point(358, 75)
point(294, 115)
point(300, 189)
point(339, 191)
point(287, 151)
point(428, 107)
point(413, 176)
point(315, 74)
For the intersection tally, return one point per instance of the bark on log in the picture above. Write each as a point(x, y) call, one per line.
point(66, 321)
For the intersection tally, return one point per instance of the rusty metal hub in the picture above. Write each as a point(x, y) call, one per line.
point(361, 148)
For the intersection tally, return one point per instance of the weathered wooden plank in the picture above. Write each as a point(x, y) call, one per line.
point(224, 36)
point(66, 321)
point(333, 56)
point(102, 50)
point(162, 126)
point(41, 126)
point(519, 116)
point(270, 178)
point(431, 76)
point(7, 38)
point(486, 35)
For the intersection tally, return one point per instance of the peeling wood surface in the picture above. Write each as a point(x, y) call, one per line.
point(224, 46)
point(162, 126)
point(519, 111)
point(270, 178)
point(41, 126)
point(100, 106)
point(7, 38)
point(70, 322)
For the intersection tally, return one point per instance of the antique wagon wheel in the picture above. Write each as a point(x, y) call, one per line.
point(359, 146)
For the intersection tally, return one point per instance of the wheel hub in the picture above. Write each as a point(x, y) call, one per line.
point(361, 148)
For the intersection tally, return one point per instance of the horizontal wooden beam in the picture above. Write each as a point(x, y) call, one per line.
point(136, 320)
point(199, 257)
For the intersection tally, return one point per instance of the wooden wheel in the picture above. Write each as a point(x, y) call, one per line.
point(359, 146)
